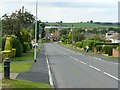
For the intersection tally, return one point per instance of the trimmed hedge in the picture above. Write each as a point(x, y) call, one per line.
point(26, 47)
point(107, 49)
point(79, 44)
point(103, 43)
point(89, 43)
point(3, 43)
point(16, 44)
point(99, 48)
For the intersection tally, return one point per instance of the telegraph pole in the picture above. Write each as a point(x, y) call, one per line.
point(35, 31)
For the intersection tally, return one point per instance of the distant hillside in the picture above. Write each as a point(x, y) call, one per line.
point(82, 25)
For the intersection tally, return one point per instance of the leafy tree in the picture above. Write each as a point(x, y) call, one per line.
point(12, 24)
point(42, 28)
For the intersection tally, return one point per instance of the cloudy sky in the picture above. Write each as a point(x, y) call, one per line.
point(66, 10)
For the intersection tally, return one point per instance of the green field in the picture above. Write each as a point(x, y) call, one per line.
point(79, 25)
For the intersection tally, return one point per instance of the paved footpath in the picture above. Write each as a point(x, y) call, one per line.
point(39, 70)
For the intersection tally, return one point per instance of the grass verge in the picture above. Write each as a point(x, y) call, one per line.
point(25, 56)
point(18, 67)
point(17, 84)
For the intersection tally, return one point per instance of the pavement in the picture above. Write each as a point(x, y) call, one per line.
point(81, 70)
point(39, 70)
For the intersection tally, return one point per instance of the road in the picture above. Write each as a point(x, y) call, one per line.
point(75, 70)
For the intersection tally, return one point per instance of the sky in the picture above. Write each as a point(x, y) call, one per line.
point(66, 10)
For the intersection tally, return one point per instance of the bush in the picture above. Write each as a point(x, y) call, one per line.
point(118, 48)
point(99, 48)
point(107, 49)
point(26, 47)
point(3, 43)
point(17, 45)
point(88, 43)
point(79, 44)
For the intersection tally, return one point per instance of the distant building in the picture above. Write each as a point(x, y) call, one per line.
point(114, 37)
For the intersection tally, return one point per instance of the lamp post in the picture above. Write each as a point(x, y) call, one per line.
point(35, 31)
point(72, 35)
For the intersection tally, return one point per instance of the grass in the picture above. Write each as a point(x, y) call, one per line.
point(111, 57)
point(25, 56)
point(80, 25)
point(18, 67)
point(69, 46)
point(12, 83)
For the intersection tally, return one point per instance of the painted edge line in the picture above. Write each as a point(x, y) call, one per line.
point(111, 76)
point(49, 71)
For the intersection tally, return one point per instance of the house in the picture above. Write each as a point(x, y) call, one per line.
point(113, 37)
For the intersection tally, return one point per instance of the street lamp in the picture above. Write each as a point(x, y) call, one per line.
point(72, 35)
point(35, 31)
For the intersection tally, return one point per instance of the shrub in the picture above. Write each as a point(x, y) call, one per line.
point(26, 47)
point(118, 48)
point(107, 49)
point(88, 43)
point(3, 42)
point(99, 48)
point(17, 45)
point(79, 44)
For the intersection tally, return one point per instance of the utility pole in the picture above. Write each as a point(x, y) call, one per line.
point(35, 31)
point(72, 35)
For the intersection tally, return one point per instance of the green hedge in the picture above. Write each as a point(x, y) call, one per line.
point(26, 47)
point(3, 43)
point(99, 48)
point(79, 44)
point(16, 44)
point(89, 43)
point(103, 43)
point(107, 49)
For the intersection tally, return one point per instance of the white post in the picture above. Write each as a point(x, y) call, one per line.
point(35, 31)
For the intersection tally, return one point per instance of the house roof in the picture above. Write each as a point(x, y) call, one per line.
point(116, 36)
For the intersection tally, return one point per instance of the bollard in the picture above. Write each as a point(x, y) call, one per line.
point(7, 68)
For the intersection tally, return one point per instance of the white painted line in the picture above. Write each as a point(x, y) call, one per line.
point(80, 53)
point(83, 62)
point(111, 76)
point(76, 59)
point(49, 71)
point(71, 57)
point(94, 68)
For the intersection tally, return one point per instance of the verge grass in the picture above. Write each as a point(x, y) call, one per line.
point(18, 84)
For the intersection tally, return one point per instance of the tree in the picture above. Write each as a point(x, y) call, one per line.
point(42, 28)
point(91, 21)
point(12, 24)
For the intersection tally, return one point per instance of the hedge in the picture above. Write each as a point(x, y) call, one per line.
point(79, 44)
point(3, 43)
point(16, 44)
point(107, 49)
point(103, 43)
point(99, 48)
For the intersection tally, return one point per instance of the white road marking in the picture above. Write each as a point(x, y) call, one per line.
point(80, 53)
point(94, 68)
point(49, 71)
point(76, 59)
point(111, 76)
point(83, 62)
point(70, 56)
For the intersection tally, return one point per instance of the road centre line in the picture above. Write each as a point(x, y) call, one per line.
point(111, 76)
point(94, 68)
point(83, 62)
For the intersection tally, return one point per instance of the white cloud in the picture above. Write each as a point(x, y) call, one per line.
point(57, 13)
